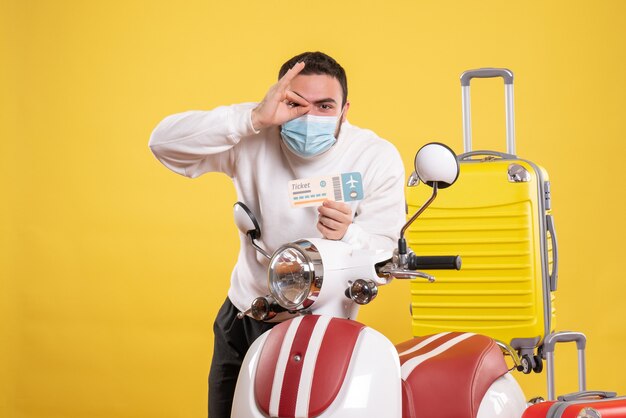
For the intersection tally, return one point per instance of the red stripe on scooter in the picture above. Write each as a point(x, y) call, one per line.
point(332, 363)
point(426, 349)
point(293, 372)
point(267, 366)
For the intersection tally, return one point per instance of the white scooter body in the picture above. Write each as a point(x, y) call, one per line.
point(280, 375)
point(372, 386)
point(373, 360)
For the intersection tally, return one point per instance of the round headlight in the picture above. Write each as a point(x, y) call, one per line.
point(295, 275)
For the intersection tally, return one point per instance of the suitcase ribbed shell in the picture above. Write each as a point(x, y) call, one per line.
point(498, 227)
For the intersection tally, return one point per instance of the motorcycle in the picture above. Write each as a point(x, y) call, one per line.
point(322, 363)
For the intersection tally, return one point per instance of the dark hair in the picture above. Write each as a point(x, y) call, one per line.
point(318, 63)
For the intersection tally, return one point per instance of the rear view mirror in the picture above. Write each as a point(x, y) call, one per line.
point(436, 163)
point(246, 221)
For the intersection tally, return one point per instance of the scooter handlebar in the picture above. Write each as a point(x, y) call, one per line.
point(440, 262)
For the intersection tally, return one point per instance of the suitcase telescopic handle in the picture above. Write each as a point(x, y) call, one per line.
point(549, 344)
point(507, 75)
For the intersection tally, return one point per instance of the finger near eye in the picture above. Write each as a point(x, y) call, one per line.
point(295, 98)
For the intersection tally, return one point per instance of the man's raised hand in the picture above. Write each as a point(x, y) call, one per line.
point(280, 104)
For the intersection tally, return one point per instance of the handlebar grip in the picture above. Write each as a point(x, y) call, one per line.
point(439, 262)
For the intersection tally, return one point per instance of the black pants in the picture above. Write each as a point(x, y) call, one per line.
point(233, 337)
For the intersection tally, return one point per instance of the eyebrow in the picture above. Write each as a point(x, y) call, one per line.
point(327, 100)
point(320, 101)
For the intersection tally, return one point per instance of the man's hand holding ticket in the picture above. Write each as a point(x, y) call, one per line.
point(329, 194)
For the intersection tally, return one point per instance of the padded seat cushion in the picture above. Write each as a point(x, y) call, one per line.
point(448, 374)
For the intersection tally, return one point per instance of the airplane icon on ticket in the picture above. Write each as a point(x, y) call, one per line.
point(352, 182)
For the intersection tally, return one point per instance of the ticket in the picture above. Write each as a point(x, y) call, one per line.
point(346, 187)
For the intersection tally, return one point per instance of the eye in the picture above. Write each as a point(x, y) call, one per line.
point(292, 104)
point(326, 106)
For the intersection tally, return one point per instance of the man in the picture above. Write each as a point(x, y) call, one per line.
point(271, 149)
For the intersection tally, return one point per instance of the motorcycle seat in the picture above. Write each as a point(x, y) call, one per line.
point(448, 374)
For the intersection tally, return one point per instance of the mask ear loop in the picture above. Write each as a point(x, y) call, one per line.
point(339, 123)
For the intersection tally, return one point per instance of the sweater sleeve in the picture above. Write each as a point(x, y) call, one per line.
point(381, 214)
point(195, 142)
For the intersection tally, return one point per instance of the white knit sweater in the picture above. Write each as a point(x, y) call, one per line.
point(260, 165)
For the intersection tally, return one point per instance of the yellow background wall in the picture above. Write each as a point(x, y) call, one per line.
point(112, 268)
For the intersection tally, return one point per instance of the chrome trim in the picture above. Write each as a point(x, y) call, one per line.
point(401, 273)
point(256, 246)
point(260, 309)
point(363, 291)
point(420, 210)
point(508, 350)
point(413, 180)
point(314, 273)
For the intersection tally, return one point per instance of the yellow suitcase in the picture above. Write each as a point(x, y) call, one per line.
point(497, 217)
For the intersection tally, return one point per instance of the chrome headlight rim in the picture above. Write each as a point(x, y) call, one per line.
point(312, 261)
